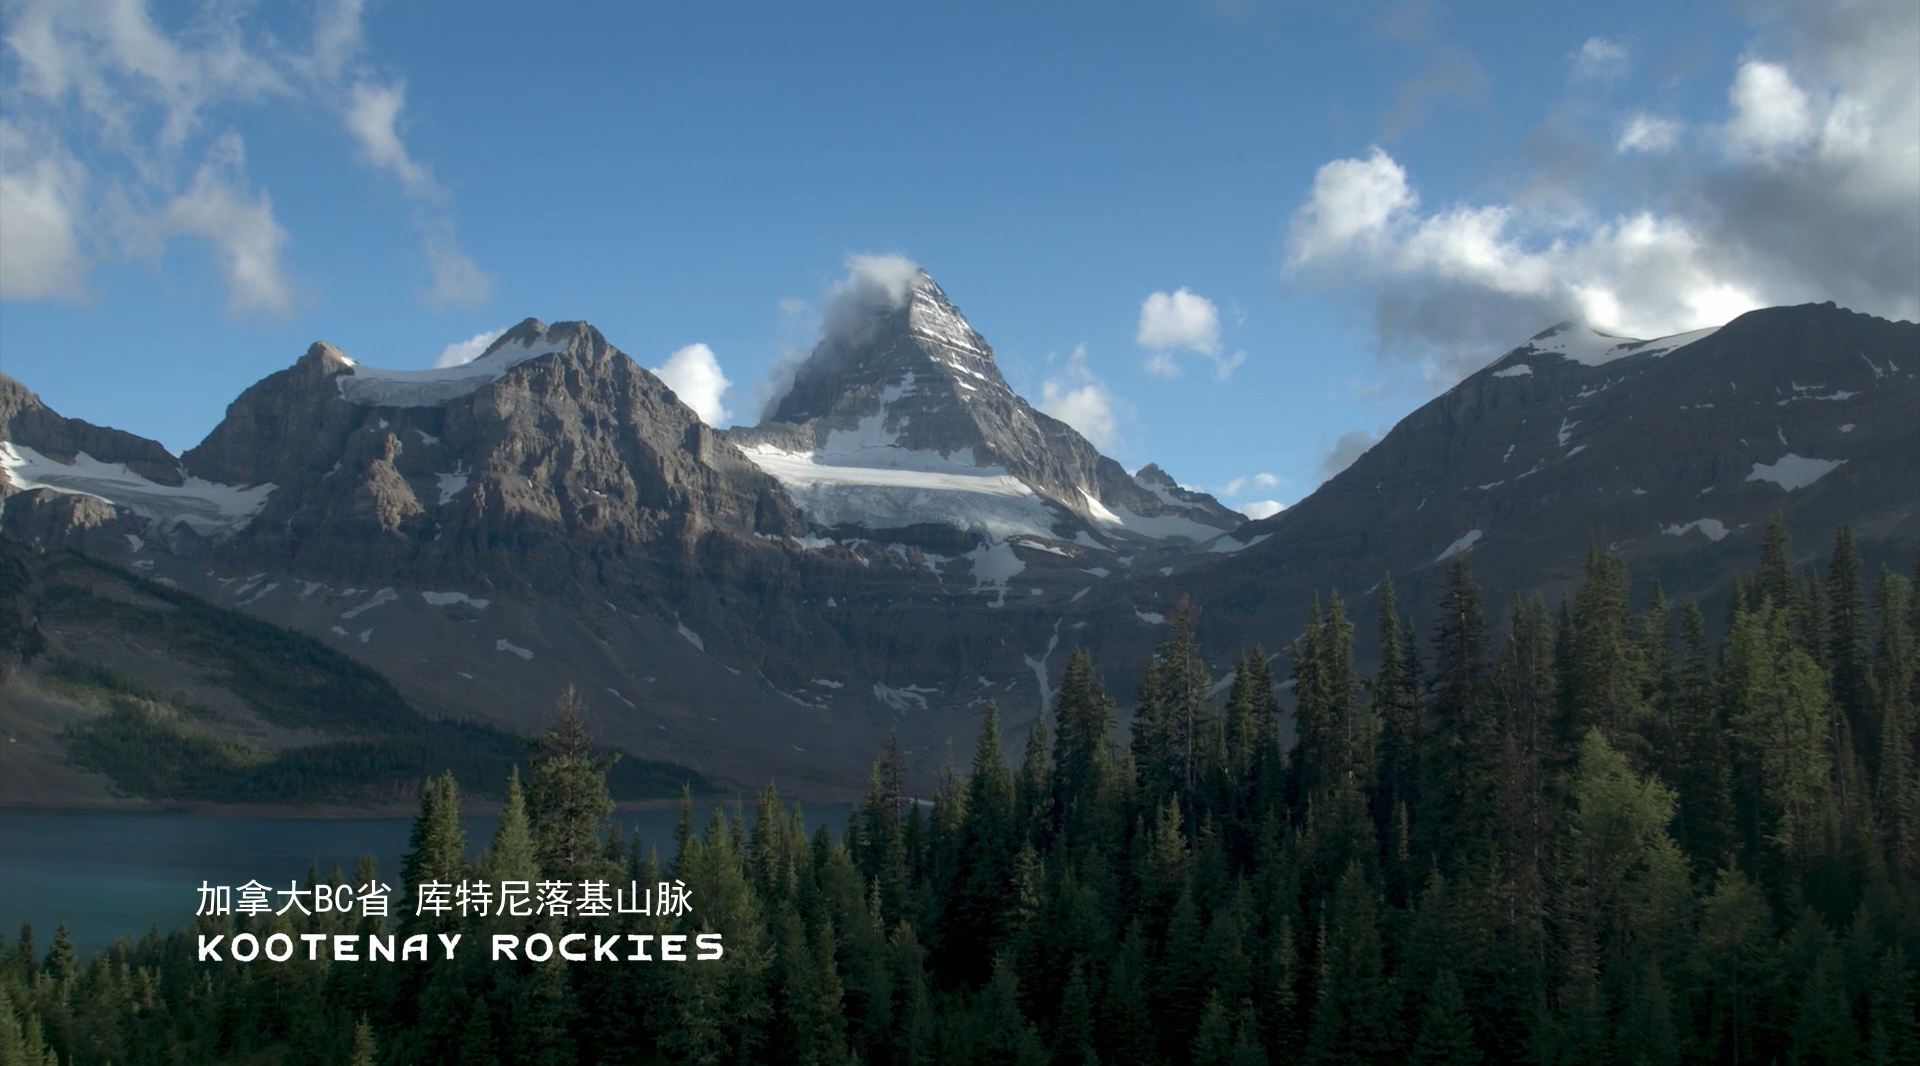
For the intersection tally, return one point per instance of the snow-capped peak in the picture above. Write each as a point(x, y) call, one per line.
point(1590, 347)
point(379, 387)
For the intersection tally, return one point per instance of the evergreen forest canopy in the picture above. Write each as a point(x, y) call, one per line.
point(1594, 839)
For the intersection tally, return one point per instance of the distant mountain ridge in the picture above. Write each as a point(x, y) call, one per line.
point(904, 538)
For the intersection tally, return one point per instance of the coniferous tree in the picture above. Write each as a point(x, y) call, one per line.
point(1460, 765)
point(1446, 1033)
point(568, 802)
point(1353, 1017)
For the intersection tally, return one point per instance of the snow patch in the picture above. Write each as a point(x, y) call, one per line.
point(1517, 370)
point(1465, 543)
point(1711, 528)
point(692, 637)
point(1590, 347)
point(503, 644)
point(378, 598)
point(375, 387)
point(448, 599)
point(1792, 471)
point(452, 484)
point(1228, 545)
point(206, 507)
point(901, 699)
point(1158, 527)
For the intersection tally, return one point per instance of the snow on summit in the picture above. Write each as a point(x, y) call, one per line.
point(1590, 347)
point(377, 387)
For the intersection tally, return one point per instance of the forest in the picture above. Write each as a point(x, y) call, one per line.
point(1573, 832)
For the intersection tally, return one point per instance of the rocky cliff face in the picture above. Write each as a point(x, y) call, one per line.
point(904, 538)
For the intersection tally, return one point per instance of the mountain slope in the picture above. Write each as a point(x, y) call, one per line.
point(123, 690)
point(1671, 453)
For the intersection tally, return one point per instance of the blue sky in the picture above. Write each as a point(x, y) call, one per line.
point(1360, 202)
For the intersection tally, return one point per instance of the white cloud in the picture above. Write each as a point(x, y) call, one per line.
point(40, 193)
point(1810, 190)
point(1179, 319)
point(466, 351)
point(873, 282)
point(1770, 112)
point(143, 102)
point(218, 207)
point(1258, 509)
point(372, 116)
point(337, 36)
point(1077, 397)
point(693, 373)
point(1638, 275)
point(1182, 320)
point(1647, 133)
point(1599, 59)
point(1262, 480)
point(1352, 203)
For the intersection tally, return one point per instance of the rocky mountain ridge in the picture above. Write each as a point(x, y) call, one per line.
point(904, 538)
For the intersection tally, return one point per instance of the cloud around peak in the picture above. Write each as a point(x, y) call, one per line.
point(870, 284)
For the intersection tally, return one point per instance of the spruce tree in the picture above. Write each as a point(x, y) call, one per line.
point(1460, 765)
point(567, 800)
point(1446, 1031)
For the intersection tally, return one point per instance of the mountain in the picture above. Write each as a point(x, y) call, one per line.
point(1672, 453)
point(550, 513)
point(901, 419)
point(903, 538)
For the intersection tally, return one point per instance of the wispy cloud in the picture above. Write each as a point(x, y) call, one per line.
point(1075, 395)
point(1599, 59)
point(118, 140)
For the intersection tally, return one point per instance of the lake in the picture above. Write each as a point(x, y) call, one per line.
point(113, 874)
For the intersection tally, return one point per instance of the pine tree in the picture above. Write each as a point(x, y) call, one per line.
point(1353, 1019)
point(1849, 648)
point(1702, 771)
point(1446, 1032)
point(1083, 758)
point(1776, 566)
point(568, 800)
point(1461, 761)
point(1778, 714)
point(1396, 708)
point(1180, 693)
point(976, 916)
